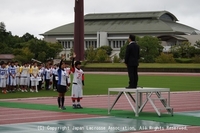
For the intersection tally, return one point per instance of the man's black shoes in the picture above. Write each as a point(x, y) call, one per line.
point(128, 87)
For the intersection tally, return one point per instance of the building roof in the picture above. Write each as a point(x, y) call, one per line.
point(6, 56)
point(131, 22)
point(128, 15)
point(169, 37)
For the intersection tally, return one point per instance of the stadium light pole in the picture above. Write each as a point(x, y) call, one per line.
point(79, 29)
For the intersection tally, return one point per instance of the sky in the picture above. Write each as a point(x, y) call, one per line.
point(38, 16)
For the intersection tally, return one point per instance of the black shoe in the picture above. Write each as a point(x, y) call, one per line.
point(79, 106)
point(128, 87)
point(63, 108)
point(74, 106)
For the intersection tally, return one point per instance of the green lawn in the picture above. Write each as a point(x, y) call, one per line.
point(145, 65)
point(99, 84)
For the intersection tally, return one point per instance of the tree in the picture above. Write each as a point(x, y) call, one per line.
point(24, 55)
point(56, 48)
point(108, 49)
point(197, 44)
point(123, 51)
point(150, 48)
point(2, 27)
point(27, 37)
point(165, 58)
point(38, 46)
point(90, 54)
point(42, 57)
point(101, 55)
point(184, 50)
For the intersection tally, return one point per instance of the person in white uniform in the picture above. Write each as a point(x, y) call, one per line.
point(78, 83)
point(3, 77)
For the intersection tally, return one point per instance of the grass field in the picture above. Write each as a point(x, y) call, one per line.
point(99, 84)
point(145, 65)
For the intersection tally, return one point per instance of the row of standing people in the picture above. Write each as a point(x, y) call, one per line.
point(26, 77)
point(13, 77)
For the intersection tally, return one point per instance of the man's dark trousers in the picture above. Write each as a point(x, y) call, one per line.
point(133, 76)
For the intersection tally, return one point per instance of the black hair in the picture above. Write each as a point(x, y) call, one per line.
point(132, 37)
point(77, 63)
point(2, 63)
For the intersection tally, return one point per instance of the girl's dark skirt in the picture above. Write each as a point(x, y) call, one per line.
point(61, 88)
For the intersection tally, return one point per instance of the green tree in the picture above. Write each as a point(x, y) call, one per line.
point(123, 51)
point(101, 55)
point(24, 55)
point(116, 59)
point(2, 27)
point(27, 37)
point(150, 48)
point(57, 48)
point(90, 54)
point(165, 58)
point(184, 50)
point(53, 50)
point(108, 49)
point(197, 44)
point(42, 57)
point(197, 48)
point(38, 46)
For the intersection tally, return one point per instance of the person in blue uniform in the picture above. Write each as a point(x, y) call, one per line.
point(62, 84)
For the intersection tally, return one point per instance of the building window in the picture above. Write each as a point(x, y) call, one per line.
point(117, 44)
point(86, 44)
point(68, 44)
point(89, 44)
point(110, 43)
point(95, 42)
point(167, 17)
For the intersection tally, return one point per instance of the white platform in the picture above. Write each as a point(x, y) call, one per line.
point(139, 104)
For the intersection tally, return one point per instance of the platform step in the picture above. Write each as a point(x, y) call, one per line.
point(158, 99)
point(169, 110)
point(165, 108)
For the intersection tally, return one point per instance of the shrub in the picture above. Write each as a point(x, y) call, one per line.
point(148, 59)
point(101, 55)
point(196, 59)
point(183, 60)
point(116, 59)
point(165, 58)
point(84, 63)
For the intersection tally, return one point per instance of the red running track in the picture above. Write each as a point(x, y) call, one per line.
point(180, 101)
point(15, 115)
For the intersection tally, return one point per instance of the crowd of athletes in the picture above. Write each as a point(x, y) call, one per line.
point(29, 77)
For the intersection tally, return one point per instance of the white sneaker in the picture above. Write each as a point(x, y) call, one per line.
point(36, 91)
point(25, 90)
point(22, 90)
point(31, 90)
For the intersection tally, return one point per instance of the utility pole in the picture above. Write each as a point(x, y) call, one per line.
point(79, 30)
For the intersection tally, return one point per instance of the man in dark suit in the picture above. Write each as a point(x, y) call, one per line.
point(131, 60)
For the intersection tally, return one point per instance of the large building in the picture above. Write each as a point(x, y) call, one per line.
point(113, 29)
